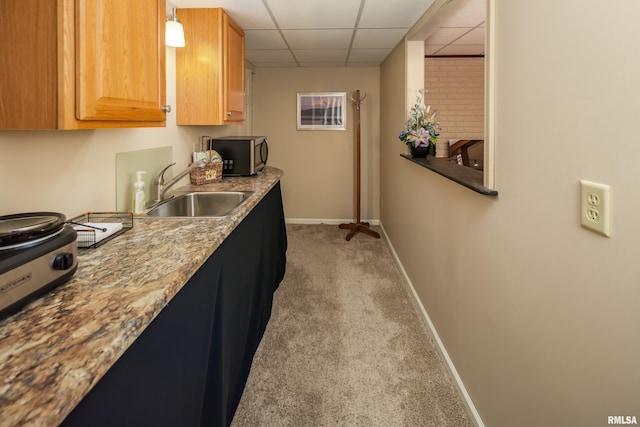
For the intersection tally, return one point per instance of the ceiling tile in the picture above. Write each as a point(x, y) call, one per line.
point(462, 49)
point(269, 56)
point(263, 39)
point(368, 55)
point(431, 49)
point(248, 14)
point(471, 15)
point(322, 64)
point(276, 64)
point(446, 35)
point(378, 38)
point(363, 64)
point(322, 55)
point(314, 14)
point(392, 13)
point(318, 39)
point(475, 36)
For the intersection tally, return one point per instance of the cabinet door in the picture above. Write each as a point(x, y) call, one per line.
point(120, 60)
point(209, 69)
point(28, 65)
point(199, 68)
point(233, 71)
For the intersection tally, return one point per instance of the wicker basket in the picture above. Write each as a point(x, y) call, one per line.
point(211, 173)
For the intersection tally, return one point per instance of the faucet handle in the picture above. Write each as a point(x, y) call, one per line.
point(160, 178)
point(159, 181)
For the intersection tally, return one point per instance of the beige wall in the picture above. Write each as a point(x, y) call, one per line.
point(73, 172)
point(539, 316)
point(319, 180)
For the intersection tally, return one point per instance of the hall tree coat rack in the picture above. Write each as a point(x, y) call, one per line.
point(360, 226)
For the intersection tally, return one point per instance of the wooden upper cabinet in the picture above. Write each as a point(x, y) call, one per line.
point(82, 64)
point(28, 65)
point(120, 60)
point(209, 69)
point(233, 71)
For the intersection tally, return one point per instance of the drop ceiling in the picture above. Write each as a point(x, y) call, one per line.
point(460, 34)
point(335, 33)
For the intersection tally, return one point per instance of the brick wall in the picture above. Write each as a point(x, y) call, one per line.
point(456, 89)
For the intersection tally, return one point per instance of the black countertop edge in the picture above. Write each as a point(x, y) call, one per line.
point(470, 178)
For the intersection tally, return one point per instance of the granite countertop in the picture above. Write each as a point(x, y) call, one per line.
point(58, 347)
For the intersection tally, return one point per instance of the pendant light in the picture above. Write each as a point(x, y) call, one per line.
point(174, 34)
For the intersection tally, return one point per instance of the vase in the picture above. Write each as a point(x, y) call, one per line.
point(419, 152)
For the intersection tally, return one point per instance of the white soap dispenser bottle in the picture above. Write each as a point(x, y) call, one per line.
point(139, 200)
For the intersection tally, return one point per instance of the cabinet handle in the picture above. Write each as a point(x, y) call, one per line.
point(166, 108)
point(228, 113)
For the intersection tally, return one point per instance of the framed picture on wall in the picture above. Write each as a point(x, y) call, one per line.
point(322, 111)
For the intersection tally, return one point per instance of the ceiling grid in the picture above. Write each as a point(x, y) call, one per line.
point(342, 33)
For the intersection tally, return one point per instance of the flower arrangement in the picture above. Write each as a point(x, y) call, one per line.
point(422, 129)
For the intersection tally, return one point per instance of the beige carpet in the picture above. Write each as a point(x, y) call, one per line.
point(346, 344)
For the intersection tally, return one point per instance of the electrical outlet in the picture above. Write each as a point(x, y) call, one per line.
point(595, 207)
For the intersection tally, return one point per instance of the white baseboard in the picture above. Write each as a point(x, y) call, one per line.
point(327, 221)
point(443, 350)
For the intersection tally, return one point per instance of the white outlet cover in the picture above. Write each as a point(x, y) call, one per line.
point(595, 207)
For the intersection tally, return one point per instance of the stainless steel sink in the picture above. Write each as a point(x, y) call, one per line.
point(200, 204)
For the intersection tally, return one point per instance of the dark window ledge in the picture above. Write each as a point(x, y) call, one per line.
point(470, 178)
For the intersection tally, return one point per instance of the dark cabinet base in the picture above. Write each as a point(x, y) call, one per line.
point(190, 366)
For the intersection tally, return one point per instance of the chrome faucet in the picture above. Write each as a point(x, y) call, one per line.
point(164, 187)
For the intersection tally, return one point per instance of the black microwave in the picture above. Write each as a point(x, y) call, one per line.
point(242, 155)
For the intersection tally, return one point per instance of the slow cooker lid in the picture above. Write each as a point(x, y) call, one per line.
point(25, 227)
